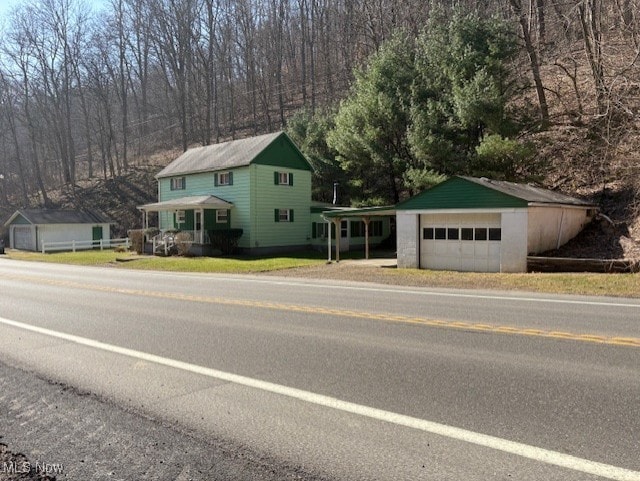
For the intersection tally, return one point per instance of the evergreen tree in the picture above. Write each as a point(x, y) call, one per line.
point(460, 90)
point(309, 132)
point(370, 134)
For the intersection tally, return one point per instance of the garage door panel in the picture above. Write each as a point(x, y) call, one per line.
point(466, 246)
point(23, 238)
point(467, 249)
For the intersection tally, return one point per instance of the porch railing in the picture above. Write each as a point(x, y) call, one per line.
point(165, 241)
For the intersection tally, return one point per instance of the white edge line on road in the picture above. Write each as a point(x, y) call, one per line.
point(504, 445)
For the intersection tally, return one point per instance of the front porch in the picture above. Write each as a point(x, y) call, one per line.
point(196, 220)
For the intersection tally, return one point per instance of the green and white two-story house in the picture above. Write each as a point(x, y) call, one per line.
point(261, 185)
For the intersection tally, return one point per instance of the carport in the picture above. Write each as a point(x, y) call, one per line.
point(365, 214)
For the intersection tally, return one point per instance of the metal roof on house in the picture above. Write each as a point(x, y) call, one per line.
point(56, 216)
point(190, 202)
point(226, 155)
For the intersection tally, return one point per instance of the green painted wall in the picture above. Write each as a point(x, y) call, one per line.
point(458, 193)
point(255, 196)
point(267, 196)
point(204, 184)
point(282, 152)
point(20, 220)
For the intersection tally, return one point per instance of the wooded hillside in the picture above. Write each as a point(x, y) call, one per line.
point(92, 101)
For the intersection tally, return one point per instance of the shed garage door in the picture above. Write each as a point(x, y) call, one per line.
point(460, 242)
point(23, 237)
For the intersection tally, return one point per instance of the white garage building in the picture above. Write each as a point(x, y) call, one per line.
point(482, 225)
point(29, 228)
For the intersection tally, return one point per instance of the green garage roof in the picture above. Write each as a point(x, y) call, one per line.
point(482, 193)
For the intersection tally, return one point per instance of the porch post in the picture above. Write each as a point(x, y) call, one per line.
point(337, 222)
point(366, 221)
point(329, 241)
point(201, 233)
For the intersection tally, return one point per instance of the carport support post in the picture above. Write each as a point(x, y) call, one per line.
point(366, 221)
point(337, 223)
point(329, 241)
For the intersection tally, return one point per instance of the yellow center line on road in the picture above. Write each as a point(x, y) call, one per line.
point(395, 318)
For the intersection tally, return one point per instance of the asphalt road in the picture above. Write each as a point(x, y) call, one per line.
point(348, 381)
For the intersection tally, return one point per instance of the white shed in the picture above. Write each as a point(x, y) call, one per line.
point(29, 228)
point(482, 225)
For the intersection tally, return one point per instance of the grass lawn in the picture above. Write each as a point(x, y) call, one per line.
point(580, 283)
point(619, 285)
point(237, 264)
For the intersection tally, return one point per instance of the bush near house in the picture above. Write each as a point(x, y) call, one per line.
point(183, 242)
point(226, 241)
point(136, 236)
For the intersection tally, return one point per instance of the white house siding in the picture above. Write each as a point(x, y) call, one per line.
point(550, 227)
point(513, 253)
point(69, 232)
point(407, 240)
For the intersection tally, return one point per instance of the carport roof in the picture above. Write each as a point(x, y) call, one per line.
point(56, 216)
point(361, 212)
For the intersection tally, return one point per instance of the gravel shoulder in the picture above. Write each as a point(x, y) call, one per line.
point(51, 431)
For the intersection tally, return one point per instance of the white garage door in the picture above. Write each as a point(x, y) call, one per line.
point(22, 238)
point(460, 242)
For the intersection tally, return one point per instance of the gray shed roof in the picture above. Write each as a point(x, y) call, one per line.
point(226, 155)
point(528, 192)
point(55, 216)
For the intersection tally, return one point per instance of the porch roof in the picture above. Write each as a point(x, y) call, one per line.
point(185, 203)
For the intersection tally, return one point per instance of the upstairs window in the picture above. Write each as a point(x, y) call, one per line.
point(177, 183)
point(283, 178)
point(223, 178)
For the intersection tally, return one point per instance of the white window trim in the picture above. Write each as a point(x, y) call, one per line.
point(177, 183)
point(283, 176)
point(222, 219)
point(228, 177)
point(286, 217)
point(180, 217)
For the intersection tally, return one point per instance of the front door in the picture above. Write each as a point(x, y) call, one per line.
point(96, 232)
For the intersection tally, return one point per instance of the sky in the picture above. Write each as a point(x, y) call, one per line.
point(7, 5)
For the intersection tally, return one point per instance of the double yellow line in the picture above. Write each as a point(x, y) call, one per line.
point(279, 306)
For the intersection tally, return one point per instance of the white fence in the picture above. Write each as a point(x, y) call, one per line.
point(83, 245)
